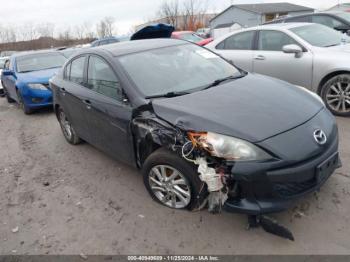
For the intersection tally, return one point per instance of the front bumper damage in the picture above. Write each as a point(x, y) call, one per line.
point(252, 188)
point(260, 188)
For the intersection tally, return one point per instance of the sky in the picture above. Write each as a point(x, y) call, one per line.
point(127, 13)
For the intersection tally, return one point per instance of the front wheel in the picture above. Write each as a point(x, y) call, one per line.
point(27, 110)
point(68, 131)
point(336, 94)
point(172, 181)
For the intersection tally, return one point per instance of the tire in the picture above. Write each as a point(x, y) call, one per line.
point(187, 173)
point(27, 110)
point(336, 94)
point(68, 131)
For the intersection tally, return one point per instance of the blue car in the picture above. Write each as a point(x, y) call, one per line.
point(26, 78)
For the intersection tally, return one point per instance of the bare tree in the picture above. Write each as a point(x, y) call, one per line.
point(170, 10)
point(193, 13)
point(87, 27)
point(79, 31)
point(106, 27)
point(45, 29)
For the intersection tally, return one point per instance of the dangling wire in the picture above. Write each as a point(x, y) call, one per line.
point(188, 153)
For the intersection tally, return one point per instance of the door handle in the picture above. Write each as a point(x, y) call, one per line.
point(259, 57)
point(87, 103)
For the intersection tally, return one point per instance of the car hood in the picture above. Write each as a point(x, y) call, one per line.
point(339, 48)
point(41, 76)
point(154, 31)
point(252, 108)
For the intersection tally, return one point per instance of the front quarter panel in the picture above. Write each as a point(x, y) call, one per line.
point(326, 63)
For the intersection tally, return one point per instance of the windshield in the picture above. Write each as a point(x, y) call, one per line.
point(182, 68)
point(345, 16)
point(320, 35)
point(36, 62)
point(191, 37)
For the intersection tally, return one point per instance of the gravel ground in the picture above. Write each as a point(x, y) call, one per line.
point(61, 199)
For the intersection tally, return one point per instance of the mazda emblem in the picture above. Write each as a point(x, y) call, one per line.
point(320, 137)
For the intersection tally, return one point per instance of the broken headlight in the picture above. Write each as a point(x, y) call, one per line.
point(229, 148)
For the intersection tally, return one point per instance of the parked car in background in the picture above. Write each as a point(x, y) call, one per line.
point(68, 52)
point(309, 55)
point(105, 41)
point(203, 32)
point(153, 31)
point(168, 107)
point(26, 79)
point(191, 37)
point(337, 20)
point(2, 65)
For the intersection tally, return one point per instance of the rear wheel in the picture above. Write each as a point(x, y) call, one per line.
point(172, 181)
point(27, 110)
point(67, 128)
point(336, 94)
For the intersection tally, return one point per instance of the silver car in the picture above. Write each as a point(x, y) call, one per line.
point(309, 55)
point(2, 65)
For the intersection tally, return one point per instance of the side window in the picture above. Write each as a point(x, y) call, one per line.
point(221, 45)
point(327, 21)
point(102, 79)
point(77, 70)
point(242, 41)
point(274, 40)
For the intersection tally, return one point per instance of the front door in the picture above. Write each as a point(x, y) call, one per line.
point(109, 113)
point(269, 59)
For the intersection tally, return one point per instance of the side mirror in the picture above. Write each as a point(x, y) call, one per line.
point(342, 28)
point(7, 72)
point(293, 49)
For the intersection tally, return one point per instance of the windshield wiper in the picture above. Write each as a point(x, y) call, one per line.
point(168, 95)
point(221, 80)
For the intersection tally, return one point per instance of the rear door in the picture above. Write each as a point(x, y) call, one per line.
point(239, 49)
point(269, 59)
point(109, 112)
point(72, 95)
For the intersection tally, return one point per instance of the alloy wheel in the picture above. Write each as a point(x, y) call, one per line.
point(66, 126)
point(170, 186)
point(338, 96)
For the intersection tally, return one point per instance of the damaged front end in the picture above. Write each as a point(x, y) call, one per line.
point(238, 176)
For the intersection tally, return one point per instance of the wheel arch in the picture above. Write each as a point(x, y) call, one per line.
point(328, 77)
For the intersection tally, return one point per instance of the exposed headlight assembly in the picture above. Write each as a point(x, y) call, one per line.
point(229, 148)
point(37, 86)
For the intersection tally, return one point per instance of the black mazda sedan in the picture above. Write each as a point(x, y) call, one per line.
point(203, 132)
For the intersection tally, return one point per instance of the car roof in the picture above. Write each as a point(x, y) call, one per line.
point(277, 26)
point(129, 47)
